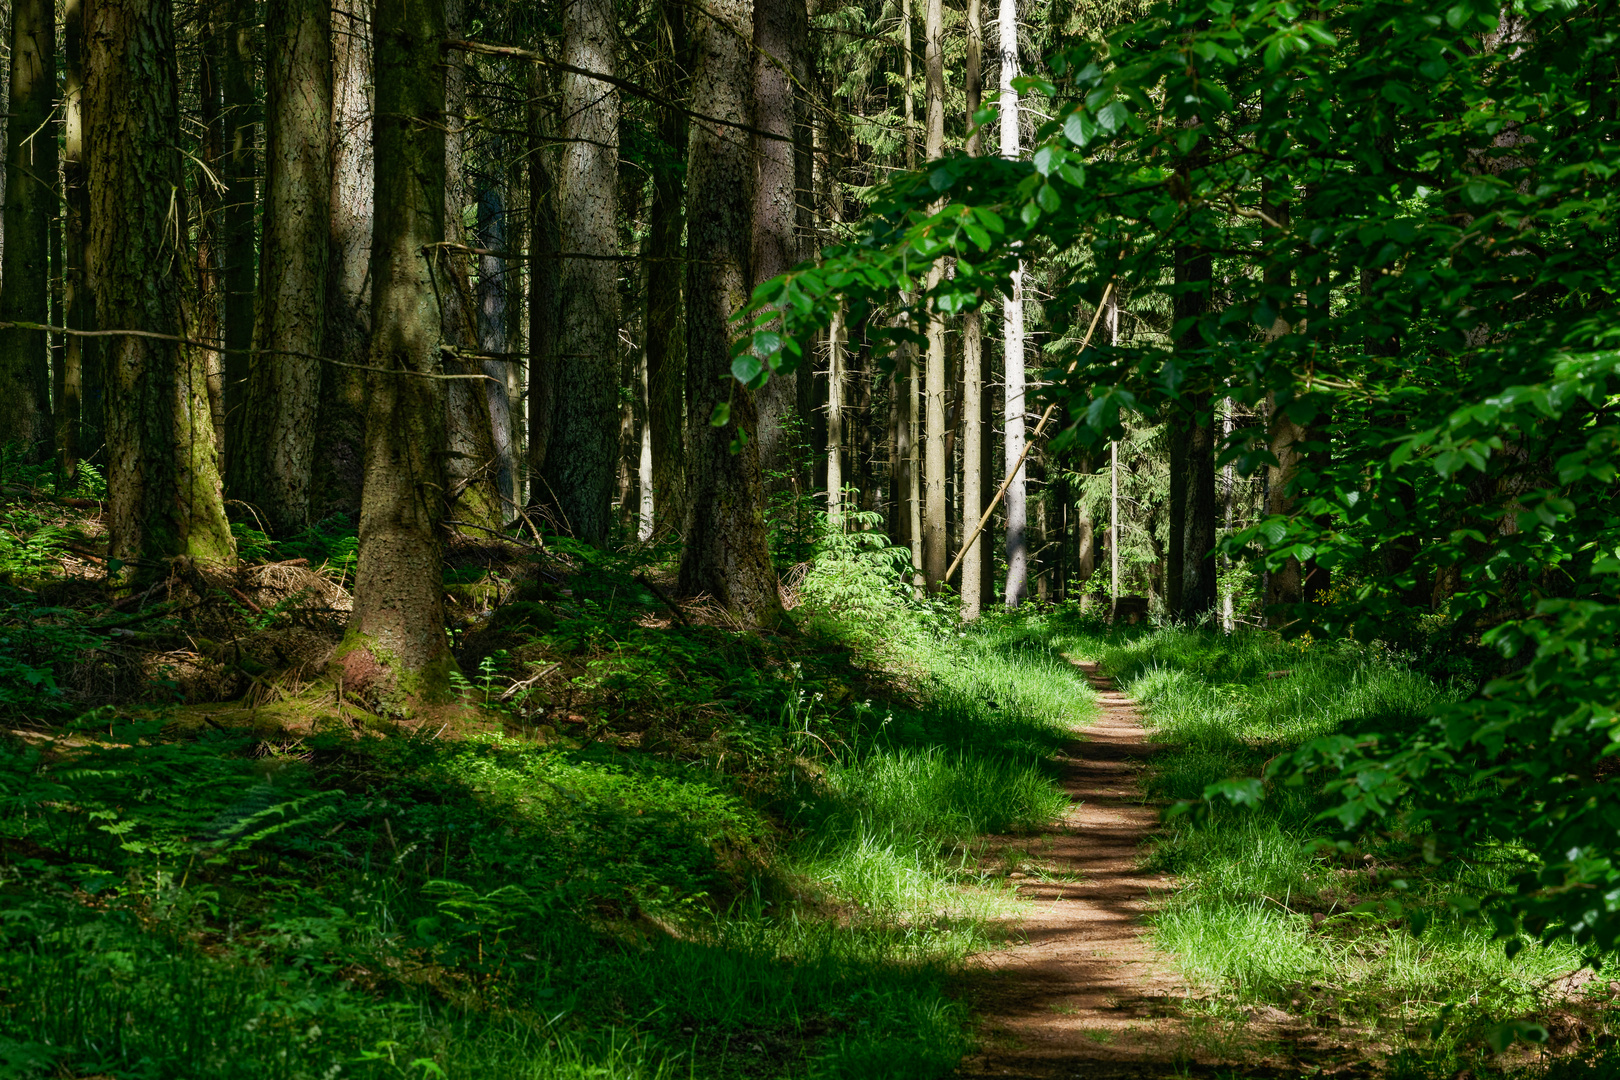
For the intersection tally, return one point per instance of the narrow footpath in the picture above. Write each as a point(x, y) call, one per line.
point(1081, 992)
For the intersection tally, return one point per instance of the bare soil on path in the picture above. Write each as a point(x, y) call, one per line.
point(1083, 992)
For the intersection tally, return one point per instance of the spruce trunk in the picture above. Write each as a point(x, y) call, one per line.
point(162, 468)
point(396, 650)
point(272, 469)
point(725, 553)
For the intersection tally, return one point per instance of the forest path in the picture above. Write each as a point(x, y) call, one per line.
point(1084, 993)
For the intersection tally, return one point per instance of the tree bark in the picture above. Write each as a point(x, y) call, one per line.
point(162, 468)
point(835, 419)
point(30, 204)
point(494, 321)
point(273, 467)
point(935, 462)
point(974, 457)
point(544, 309)
point(725, 552)
point(1017, 498)
point(582, 460)
point(781, 37)
point(236, 65)
point(473, 463)
point(395, 650)
point(81, 356)
point(206, 325)
point(665, 361)
point(341, 427)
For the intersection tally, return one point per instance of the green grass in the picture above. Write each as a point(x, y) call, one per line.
point(1258, 915)
point(788, 894)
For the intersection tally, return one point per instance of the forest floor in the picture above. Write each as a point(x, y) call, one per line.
point(643, 844)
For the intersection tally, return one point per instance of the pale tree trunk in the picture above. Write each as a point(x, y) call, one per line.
point(973, 381)
point(583, 456)
point(781, 37)
point(835, 418)
point(396, 651)
point(907, 383)
point(164, 496)
point(665, 360)
point(935, 461)
point(81, 357)
point(494, 322)
point(237, 20)
point(30, 204)
point(1017, 498)
point(341, 428)
point(273, 467)
point(473, 464)
point(725, 553)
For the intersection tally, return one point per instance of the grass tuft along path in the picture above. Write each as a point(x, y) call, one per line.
point(1085, 992)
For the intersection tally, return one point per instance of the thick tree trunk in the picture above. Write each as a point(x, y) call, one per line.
point(584, 446)
point(1017, 497)
point(494, 323)
point(396, 650)
point(237, 20)
point(725, 552)
point(30, 204)
point(781, 37)
point(206, 312)
point(273, 467)
point(341, 429)
point(81, 356)
point(162, 469)
point(665, 359)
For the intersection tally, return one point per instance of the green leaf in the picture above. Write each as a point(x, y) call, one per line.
point(746, 368)
point(722, 414)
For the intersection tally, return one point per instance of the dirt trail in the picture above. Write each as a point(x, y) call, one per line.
point(1084, 994)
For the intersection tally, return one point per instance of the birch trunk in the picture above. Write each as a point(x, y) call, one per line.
point(973, 380)
point(1017, 497)
point(935, 460)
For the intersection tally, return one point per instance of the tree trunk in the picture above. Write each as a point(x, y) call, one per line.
point(205, 323)
point(1017, 498)
point(81, 356)
point(237, 63)
point(974, 457)
point(473, 464)
point(30, 204)
point(725, 551)
point(835, 419)
point(665, 361)
point(162, 469)
point(341, 429)
point(494, 322)
point(583, 455)
point(273, 467)
point(781, 38)
point(395, 650)
point(1193, 507)
point(935, 462)
point(544, 308)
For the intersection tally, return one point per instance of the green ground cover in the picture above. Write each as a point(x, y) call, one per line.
point(753, 857)
point(1261, 917)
